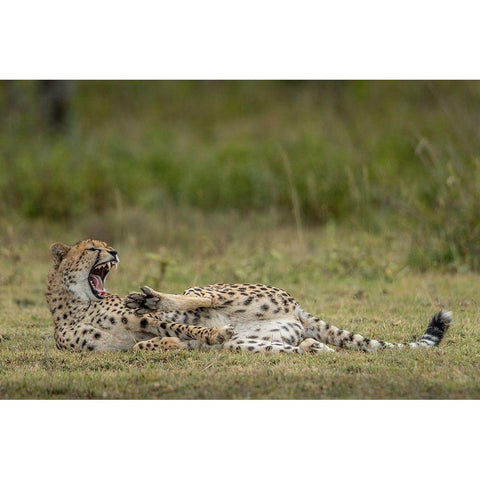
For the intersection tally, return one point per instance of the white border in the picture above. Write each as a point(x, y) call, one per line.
point(239, 40)
point(216, 39)
point(235, 439)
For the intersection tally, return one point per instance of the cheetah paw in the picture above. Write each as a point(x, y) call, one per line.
point(311, 345)
point(165, 343)
point(142, 303)
point(224, 334)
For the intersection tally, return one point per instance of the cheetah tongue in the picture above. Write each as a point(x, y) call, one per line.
point(97, 283)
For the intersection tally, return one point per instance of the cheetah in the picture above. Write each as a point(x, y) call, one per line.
point(86, 317)
point(246, 317)
point(268, 319)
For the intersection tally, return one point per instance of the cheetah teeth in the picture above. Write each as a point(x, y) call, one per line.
point(103, 268)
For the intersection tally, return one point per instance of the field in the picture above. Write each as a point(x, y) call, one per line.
point(361, 199)
point(358, 281)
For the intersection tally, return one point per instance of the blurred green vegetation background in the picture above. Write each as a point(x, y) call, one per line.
point(374, 155)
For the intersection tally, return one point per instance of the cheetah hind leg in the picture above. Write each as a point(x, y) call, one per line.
point(309, 345)
point(150, 300)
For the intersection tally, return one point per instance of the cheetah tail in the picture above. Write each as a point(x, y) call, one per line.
point(436, 329)
point(332, 335)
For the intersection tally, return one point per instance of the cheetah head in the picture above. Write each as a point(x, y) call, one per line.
point(82, 268)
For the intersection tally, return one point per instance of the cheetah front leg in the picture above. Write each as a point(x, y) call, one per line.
point(201, 338)
point(150, 300)
point(207, 335)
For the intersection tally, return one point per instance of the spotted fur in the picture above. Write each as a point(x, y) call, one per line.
point(268, 319)
point(238, 317)
point(86, 317)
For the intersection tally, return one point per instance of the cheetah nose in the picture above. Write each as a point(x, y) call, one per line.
point(113, 252)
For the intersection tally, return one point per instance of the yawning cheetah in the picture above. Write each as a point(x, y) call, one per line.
point(87, 317)
point(250, 317)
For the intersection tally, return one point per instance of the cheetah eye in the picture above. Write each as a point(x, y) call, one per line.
point(92, 249)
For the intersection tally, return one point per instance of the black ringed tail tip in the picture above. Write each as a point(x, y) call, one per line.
point(437, 328)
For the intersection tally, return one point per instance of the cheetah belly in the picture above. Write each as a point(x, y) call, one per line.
point(247, 319)
point(247, 326)
point(286, 331)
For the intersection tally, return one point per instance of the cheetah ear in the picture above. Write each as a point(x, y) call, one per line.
point(58, 251)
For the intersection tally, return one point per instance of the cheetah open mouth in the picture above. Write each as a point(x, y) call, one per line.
point(97, 276)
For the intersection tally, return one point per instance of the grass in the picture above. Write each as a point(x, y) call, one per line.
point(359, 198)
point(331, 151)
point(355, 279)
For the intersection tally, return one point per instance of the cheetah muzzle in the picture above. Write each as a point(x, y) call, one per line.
point(98, 275)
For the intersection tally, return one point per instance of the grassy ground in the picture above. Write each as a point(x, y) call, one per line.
point(201, 182)
point(356, 280)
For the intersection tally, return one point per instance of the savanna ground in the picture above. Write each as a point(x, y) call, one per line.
point(361, 199)
point(356, 281)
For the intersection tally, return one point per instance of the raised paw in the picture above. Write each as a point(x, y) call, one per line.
point(150, 300)
point(310, 345)
point(144, 302)
point(136, 301)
